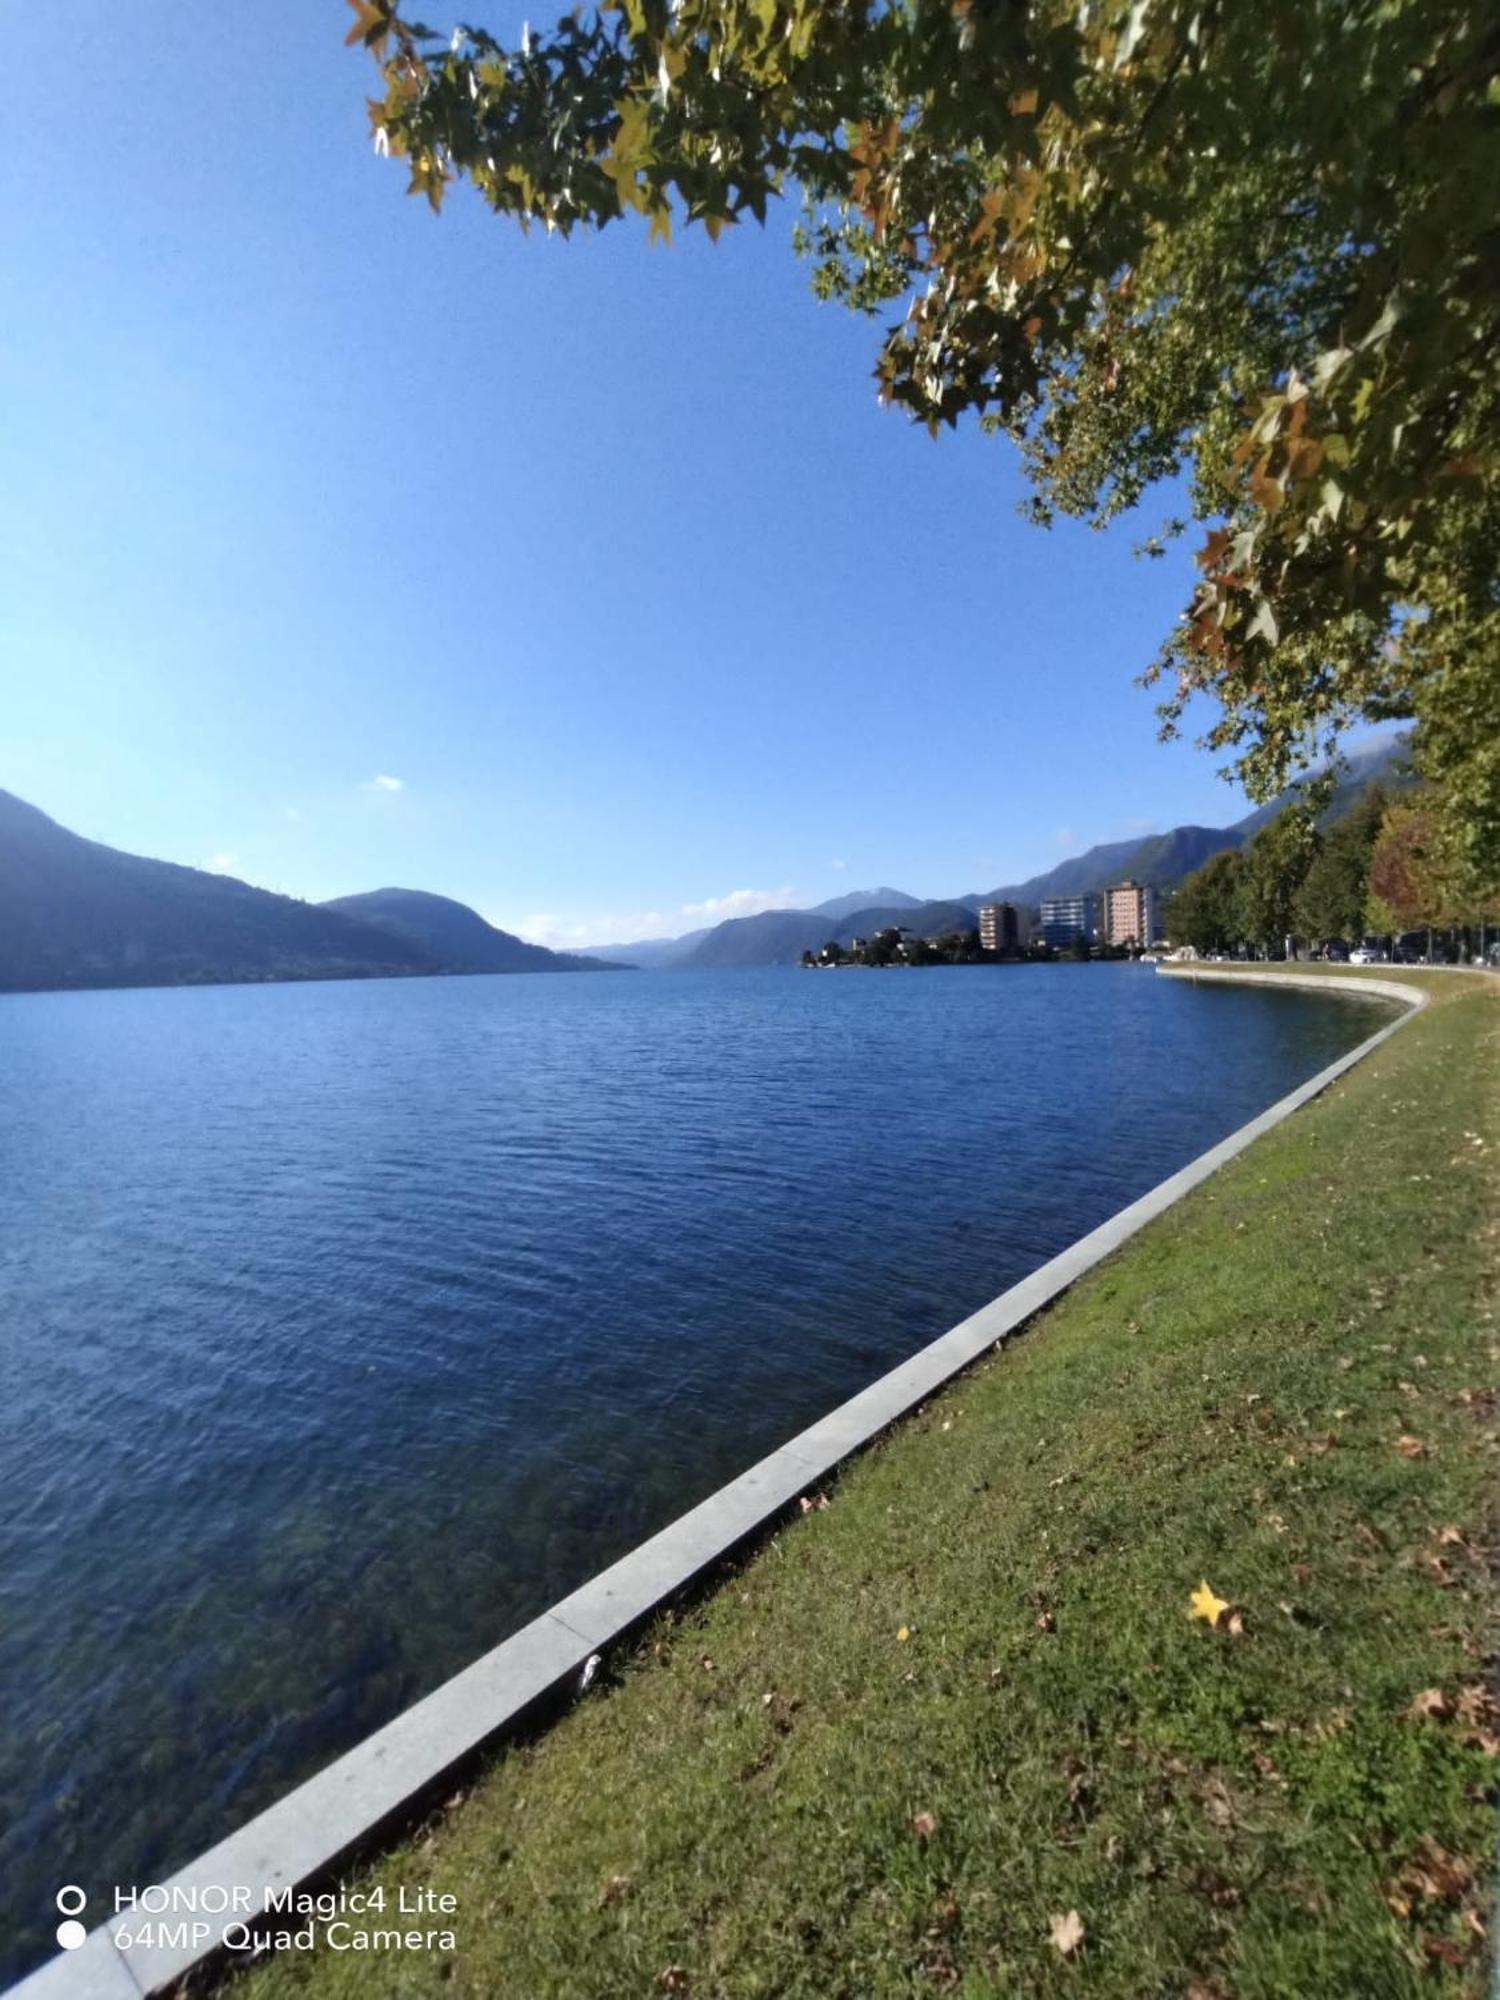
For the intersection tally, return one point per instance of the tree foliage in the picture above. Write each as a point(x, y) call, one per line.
point(1256, 245)
point(1205, 912)
point(1406, 885)
point(1331, 901)
point(1274, 868)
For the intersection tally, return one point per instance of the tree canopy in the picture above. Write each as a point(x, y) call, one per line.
point(1205, 911)
point(1256, 246)
point(1331, 901)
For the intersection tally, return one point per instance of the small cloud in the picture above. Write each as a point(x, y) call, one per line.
point(222, 864)
point(292, 813)
point(634, 926)
point(384, 782)
point(840, 865)
point(1065, 837)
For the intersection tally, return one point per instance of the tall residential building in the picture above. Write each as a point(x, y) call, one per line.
point(1129, 913)
point(999, 927)
point(1065, 918)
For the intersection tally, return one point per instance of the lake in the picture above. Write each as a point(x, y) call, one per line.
point(347, 1326)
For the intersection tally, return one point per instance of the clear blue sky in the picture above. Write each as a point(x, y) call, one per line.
point(606, 553)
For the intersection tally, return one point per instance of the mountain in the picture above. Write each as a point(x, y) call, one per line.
point(1161, 860)
point(854, 900)
point(779, 937)
point(454, 936)
point(76, 913)
point(647, 954)
point(1387, 761)
point(1165, 859)
point(1079, 876)
point(921, 919)
point(657, 954)
point(774, 937)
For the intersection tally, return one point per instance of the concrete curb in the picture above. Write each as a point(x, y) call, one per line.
point(341, 1812)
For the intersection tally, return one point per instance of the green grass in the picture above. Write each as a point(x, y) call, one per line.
point(1232, 1812)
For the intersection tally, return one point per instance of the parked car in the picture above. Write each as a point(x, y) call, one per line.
point(1368, 954)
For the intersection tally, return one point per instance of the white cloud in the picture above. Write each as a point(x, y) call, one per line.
point(292, 813)
point(383, 782)
point(222, 864)
point(837, 863)
point(631, 926)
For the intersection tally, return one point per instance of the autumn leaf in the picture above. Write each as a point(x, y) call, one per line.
point(613, 1890)
point(903, 1635)
point(924, 1824)
point(1431, 1702)
point(1203, 1604)
point(1067, 1932)
point(372, 24)
point(1410, 1447)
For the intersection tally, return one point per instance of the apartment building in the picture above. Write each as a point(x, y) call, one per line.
point(1129, 914)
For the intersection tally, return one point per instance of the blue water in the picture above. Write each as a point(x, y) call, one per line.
point(346, 1326)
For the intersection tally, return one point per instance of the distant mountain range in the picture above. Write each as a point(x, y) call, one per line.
point(76, 913)
point(451, 934)
point(779, 937)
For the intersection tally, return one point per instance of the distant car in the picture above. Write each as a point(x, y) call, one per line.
point(1336, 952)
point(1367, 954)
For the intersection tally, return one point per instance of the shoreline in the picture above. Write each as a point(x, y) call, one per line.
point(386, 1781)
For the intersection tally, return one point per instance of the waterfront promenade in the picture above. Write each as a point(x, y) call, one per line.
point(926, 1724)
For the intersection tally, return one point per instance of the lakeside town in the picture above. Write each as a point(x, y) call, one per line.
point(1133, 920)
point(1362, 882)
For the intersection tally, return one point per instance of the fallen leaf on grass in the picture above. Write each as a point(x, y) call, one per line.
point(1410, 1447)
point(923, 1824)
point(1431, 1704)
point(1217, 1803)
point(1477, 1706)
point(1067, 1932)
point(903, 1634)
point(673, 1980)
point(1203, 1604)
point(817, 1503)
point(613, 1890)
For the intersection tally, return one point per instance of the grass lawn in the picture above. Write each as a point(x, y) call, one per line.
point(920, 1728)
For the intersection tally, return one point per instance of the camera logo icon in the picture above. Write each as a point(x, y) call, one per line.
point(70, 1900)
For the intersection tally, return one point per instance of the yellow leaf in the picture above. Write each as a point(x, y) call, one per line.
point(372, 24)
point(661, 226)
point(1205, 1605)
point(904, 1634)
